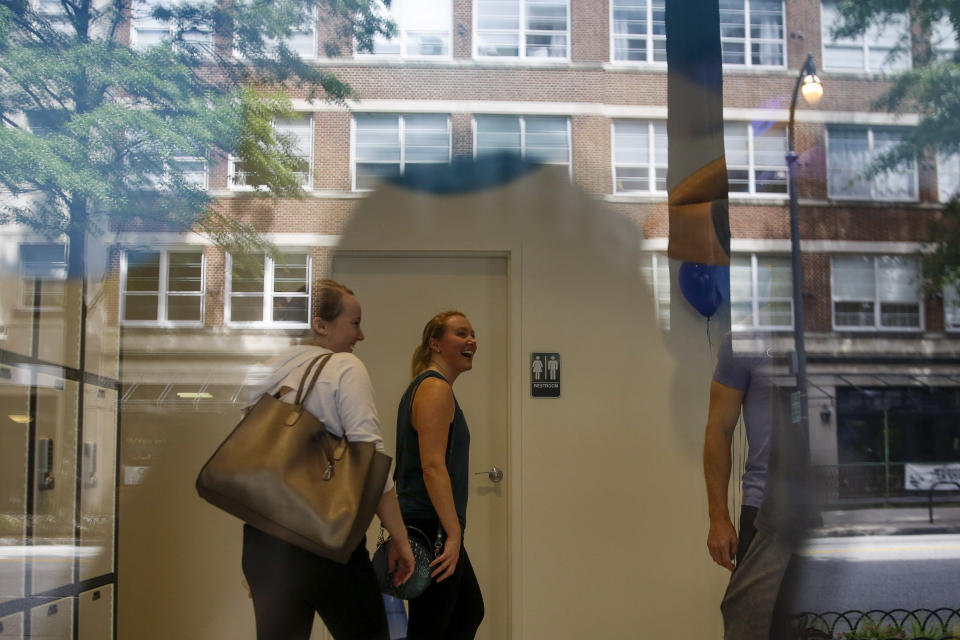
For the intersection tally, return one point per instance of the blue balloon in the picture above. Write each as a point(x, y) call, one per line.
point(704, 286)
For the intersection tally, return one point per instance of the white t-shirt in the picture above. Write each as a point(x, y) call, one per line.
point(342, 397)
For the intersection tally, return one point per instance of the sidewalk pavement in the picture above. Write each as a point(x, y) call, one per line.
point(889, 521)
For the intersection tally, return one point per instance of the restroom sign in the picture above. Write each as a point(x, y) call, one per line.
point(545, 375)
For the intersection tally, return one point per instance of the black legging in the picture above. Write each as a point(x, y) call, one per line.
point(448, 610)
point(289, 584)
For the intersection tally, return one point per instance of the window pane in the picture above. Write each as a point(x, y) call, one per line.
point(633, 179)
point(774, 277)
point(498, 14)
point(898, 279)
point(247, 275)
point(290, 309)
point(848, 156)
point(498, 44)
point(184, 308)
point(546, 140)
point(853, 314)
point(630, 29)
point(853, 277)
point(143, 271)
point(246, 308)
point(426, 138)
point(631, 142)
point(378, 138)
point(498, 133)
point(951, 306)
point(290, 274)
point(766, 32)
point(185, 271)
point(894, 314)
point(369, 175)
point(948, 175)
point(776, 314)
point(141, 307)
point(741, 278)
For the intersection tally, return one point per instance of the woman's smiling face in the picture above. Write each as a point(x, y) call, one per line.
point(458, 344)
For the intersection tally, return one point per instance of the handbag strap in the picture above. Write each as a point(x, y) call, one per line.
point(301, 394)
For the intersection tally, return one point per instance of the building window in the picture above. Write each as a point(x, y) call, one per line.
point(423, 30)
point(850, 153)
point(943, 38)
point(761, 292)
point(193, 172)
point(751, 32)
point(639, 156)
point(263, 291)
point(43, 276)
point(951, 307)
point(948, 175)
point(876, 292)
point(655, 273)
point(639, 30)
point(163, 287)
point(385, 145)
point(756, 155)
point(523, 28)
point(147, 31)
point(299, 131)
point(543, 139)
point(882, 48)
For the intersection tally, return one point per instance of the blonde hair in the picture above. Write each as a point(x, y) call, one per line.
point(433, 330)
point(329, 299)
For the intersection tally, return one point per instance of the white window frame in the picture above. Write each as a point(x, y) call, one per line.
point(28, 274)
point(232, 160)
point(947, 159)
point(267, 294)
point(870, 145)
point(752, 167)
point(523, 138)
point(902, 62)
point(756, 301)
point(147, 22)
point(650, 38)
point(877, 326)
point(402, 38)
point(522, 33)
point(748, 42)
point(651, 165)
point(401, 138)
point(163, 292)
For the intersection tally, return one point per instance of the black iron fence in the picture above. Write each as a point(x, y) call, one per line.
point(865, 482)
point(898, 624)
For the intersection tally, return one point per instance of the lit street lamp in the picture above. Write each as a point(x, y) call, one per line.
point(809, 84)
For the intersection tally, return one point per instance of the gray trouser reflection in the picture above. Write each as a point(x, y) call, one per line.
point(749, 602)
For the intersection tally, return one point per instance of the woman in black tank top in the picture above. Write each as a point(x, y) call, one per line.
point(433, 446)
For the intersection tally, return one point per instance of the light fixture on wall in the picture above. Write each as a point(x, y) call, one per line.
point(825, 414)
point(20, 418)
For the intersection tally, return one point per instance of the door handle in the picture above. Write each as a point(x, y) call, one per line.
point(495, 474)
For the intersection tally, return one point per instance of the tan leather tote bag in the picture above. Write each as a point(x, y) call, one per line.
point(283, 473)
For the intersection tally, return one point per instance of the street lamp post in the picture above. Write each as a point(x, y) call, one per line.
point(809, 84)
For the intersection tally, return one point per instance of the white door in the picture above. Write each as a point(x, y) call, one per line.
point(399, 294)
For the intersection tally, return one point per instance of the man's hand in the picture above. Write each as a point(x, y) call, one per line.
point(722, 542)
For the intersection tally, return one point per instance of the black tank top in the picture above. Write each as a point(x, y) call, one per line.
point(411, 490)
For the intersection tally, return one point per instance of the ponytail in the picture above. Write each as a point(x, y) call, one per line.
point(433, 330)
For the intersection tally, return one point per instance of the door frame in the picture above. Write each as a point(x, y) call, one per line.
point(514, 387)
